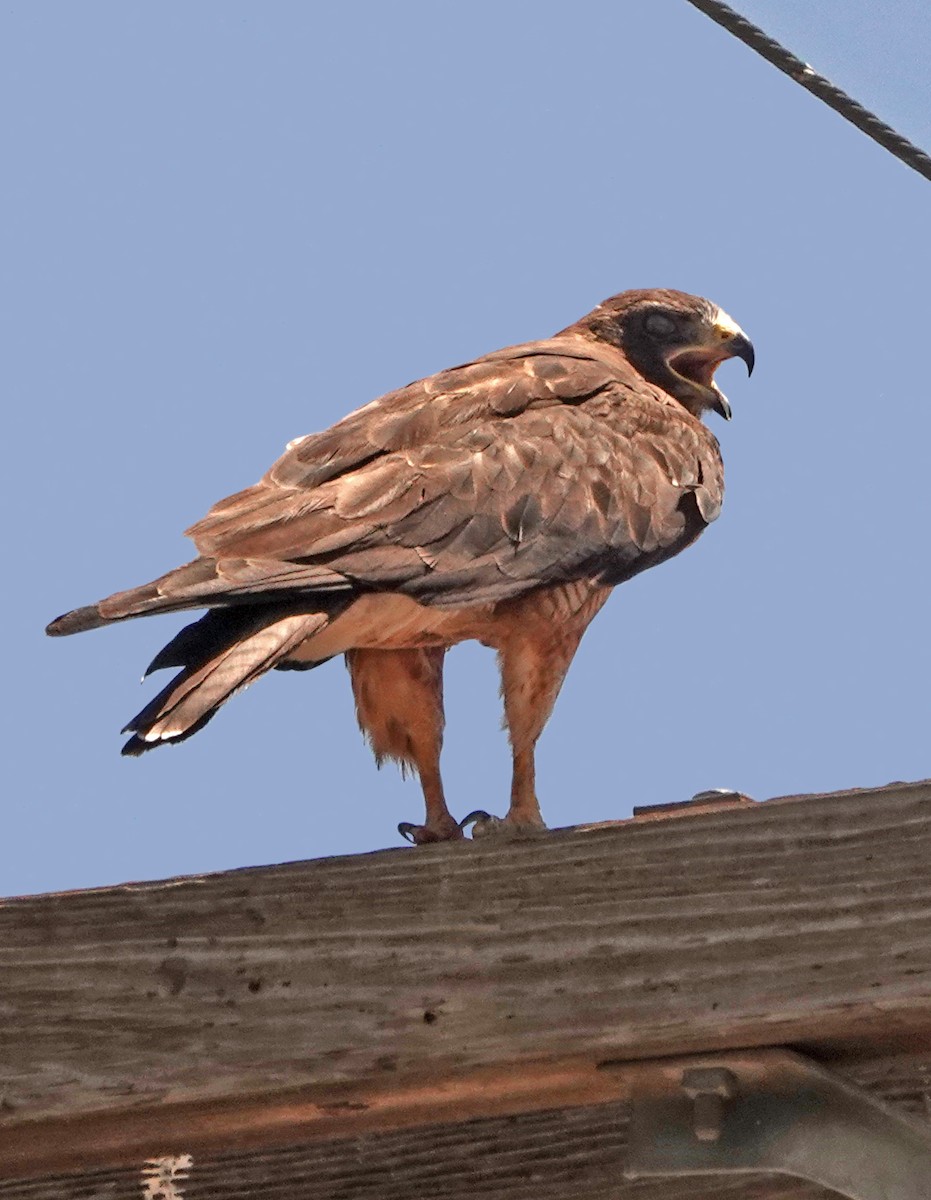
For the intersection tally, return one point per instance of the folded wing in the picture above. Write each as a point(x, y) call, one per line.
point(536, 465)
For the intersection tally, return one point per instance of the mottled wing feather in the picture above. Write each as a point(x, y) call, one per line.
point(427, 413)
point(523, 469)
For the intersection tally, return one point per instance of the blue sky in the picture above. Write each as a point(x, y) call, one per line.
point(226, 224)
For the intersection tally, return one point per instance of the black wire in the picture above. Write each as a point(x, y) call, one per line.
point(754, 37)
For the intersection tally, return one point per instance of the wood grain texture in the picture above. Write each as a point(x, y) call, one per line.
point(577, 1153)
point(341, 983)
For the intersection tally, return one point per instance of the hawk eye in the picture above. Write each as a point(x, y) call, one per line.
point(659, 324)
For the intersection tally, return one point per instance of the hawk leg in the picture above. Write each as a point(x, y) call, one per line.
point(532, 672)
point(541, 635)
point(399, 704)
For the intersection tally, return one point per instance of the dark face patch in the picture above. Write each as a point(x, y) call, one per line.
point(650, 335)
point(668, 337)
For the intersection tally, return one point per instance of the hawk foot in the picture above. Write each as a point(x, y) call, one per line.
point(485, 825)
point(447, 829)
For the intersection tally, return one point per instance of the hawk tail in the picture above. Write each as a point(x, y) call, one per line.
point(76, 621)
point(220, 654)
point(204, 583)
point(190, 586)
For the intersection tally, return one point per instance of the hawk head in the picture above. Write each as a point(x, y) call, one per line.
point(674, 340)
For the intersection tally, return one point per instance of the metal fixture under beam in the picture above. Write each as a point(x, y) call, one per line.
point(773, 1111)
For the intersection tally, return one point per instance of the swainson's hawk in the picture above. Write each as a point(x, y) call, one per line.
point(500, 500)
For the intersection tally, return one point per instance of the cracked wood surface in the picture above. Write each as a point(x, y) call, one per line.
point(382, 995)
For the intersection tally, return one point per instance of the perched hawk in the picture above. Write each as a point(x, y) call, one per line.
point(500, 500)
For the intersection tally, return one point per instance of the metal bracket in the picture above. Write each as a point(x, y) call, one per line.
point(774, 1112)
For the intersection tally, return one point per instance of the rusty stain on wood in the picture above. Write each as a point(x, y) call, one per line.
point(716, 800)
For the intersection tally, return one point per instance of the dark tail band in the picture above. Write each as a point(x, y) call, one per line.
point(76, 621)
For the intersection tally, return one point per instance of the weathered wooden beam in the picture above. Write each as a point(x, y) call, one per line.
point(574, 1152)
point(415, 987)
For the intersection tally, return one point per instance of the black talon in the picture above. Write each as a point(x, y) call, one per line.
point(406, 830)
point(474, 817)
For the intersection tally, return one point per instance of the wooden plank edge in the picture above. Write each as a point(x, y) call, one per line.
point(336, 1110)
point(735, 802)
point(128, 1137)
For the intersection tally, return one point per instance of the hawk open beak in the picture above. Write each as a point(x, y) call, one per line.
point(699, 363)
point(740, 346)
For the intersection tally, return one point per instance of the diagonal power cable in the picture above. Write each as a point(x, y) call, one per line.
point(754, 37)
